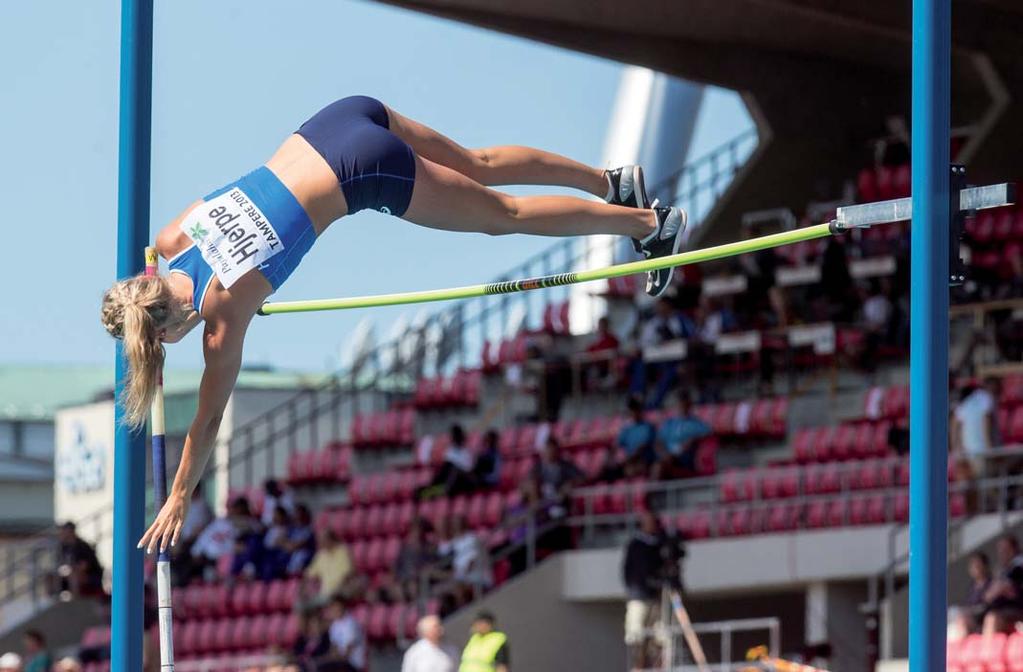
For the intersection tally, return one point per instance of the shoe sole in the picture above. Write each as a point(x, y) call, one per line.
point(675, 247)
point(639, 188)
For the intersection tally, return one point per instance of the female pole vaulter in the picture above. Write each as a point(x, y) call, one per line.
point(232, 249)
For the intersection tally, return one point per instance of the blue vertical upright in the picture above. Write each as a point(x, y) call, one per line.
point(928, 405)
point(132, 237)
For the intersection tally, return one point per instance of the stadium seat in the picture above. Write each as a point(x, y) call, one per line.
point(822, 479)
point(738, 485)
point(816, 513)
point(779, 483)
point(1014, 652)
point(782, 517)
point(843, 442)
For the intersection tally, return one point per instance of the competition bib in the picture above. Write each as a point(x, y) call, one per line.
point(232, 235)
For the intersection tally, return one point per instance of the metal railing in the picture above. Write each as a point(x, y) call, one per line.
point(673, 658)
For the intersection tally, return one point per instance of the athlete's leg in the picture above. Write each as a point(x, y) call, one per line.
point(444, 198)
point(498, 165)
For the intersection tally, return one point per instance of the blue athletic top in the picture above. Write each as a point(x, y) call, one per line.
point(265, 227)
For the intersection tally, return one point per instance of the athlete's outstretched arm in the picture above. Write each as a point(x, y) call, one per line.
point(222, 349)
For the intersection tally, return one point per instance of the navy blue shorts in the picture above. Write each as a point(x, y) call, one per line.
point(375, 168)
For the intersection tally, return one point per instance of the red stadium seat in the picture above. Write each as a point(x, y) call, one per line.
point(782, 517)
point(953, 655)
point(816, 513)
point(822, 479)
point(779, 483)
point(1014, 652)
point(901, 507)
point(838, 512)
point(866, 186)
point(843, 442)
point(738, 486)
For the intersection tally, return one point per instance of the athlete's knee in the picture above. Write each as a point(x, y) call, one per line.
point(505, 218)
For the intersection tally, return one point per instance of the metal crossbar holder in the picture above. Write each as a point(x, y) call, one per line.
point(901, 209)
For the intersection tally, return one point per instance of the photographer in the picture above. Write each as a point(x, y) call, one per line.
point(653, 560)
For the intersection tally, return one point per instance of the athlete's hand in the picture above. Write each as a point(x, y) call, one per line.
point(166, 529)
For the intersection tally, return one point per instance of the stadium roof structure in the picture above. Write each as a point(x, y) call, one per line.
point(819, 76)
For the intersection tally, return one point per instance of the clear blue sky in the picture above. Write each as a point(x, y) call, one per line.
point(232, 79)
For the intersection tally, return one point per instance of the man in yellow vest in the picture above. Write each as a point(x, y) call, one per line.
point(487, 650)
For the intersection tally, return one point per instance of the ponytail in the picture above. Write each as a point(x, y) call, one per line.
point(135, 310)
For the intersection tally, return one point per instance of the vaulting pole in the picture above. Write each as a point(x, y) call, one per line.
point(928, 405)
point(132, 236)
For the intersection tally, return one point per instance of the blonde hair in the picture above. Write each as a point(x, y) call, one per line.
point(134, 310)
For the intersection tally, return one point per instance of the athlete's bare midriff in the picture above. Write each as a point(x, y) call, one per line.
point(306, 175)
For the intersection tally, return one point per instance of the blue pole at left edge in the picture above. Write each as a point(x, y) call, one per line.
point(132, 237)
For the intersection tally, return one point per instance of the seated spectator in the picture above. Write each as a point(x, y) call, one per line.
point(677, 441)
point(667, 324)
point(247, 540)
point(966, 618)
point(78, 570)
point(198, 517)
point(414, 557)
point(67, 664)
point(555, 476)
point(455, 474)
point(217, 540)
point(348, 642)
point(313, 643)
point(37, 658)
point(597, 374)
point(326, 574)
point(636, 439)
point(274, 556)
point(301, 542)
point(470, 562)
point(1004, 597)
point(273, 497)
point(487, 470)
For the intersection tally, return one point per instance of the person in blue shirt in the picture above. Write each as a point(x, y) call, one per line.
point(636, 439)
point(677, 439)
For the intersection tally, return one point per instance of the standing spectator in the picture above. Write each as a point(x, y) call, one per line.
point(327, 572)
point(348, 642)
point(487, 470)
point(78, 568)
point(677, 441)
point(877, 315)
point(430, 653)
point(273, 497)
point(413, 558)
point(1004, 597)
point(37, 658)
point(974, 427)
point(642, 573)
point(636, 439)
point(470, 562)
point(521, 516)
point(487, 650)
point(10, 662)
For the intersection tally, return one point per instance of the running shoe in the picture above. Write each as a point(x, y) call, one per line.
point(627, 188)
point(664, 241)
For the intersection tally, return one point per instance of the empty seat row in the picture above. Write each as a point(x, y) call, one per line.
point(509, 351)
point(330, 464)
point(997, 225)
point(395, 427)
point(387, 486)
point(891, 403)
point(883, 183)
point(848, 441)
point(979, 653)
point(235, 634)
point(863, 509)
point(462, 389)
point(209, 600)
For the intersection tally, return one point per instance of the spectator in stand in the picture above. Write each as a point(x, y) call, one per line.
point(555, 475)
point(667, 324)
point(37, 658)
point(301, 543)
point(247, 541)
point(470, 562)
point(487, 470)
point(67, 664)
point(1004, 597)
point(217, 539)
point(974, 430)
point(487, 649)
point(677, 441)
point(966, 618)
point(273, 497)
point(455, 474)
point(348, 641)
point(636, 439)
point(326, 574)
point(274, 556)
point(10, 662)
point(765, 302)
point(713, 318)
point(836, 284)
point(414, 557)
point(430, 653)
point(876, 318)
point(519, 516)
point(313, 643)
point(78, 570)
point(597, 372)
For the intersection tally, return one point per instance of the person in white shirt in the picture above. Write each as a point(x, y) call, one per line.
point(273, 497)
point(430, 653)
point(974, 429)
point(348, 642)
